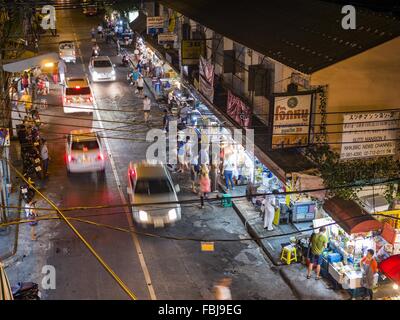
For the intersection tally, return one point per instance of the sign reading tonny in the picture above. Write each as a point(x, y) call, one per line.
point(291, 121)
point(369, 134)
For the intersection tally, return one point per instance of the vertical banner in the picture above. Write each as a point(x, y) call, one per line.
point(206, 78)
point(291, 120)
point(238, 110)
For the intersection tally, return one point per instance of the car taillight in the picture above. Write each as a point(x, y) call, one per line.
point(90, 99)
point(70, 158)
point(100, 156)
point(66, 100)
point(132, 172)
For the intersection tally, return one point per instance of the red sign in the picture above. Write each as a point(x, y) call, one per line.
point(206, 79)
point(238, 110)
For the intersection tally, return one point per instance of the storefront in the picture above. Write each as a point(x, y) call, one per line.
point(351, 231)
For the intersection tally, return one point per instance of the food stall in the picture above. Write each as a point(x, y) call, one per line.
point(351, 232)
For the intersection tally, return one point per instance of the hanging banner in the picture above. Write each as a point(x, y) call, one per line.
point(191, 50)
point(206, 79)
point(238, 110)
point(155, 25)
point(291, 120)
point(369, 134)
point(167, 37)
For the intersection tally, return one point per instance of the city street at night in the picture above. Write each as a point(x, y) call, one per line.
point(283, 183)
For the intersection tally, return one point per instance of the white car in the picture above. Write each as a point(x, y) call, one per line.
point(77, 96)
point(66, 50)
point(84, 152)
point(152, 183)
point(102, 69)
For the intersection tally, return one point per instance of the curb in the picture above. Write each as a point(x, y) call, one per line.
point(253, 234)
point(289, 283)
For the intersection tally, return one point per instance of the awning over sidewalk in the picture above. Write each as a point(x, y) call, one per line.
point(350, 216)
point(391, 268)
point(140, 23)
point(36, 61)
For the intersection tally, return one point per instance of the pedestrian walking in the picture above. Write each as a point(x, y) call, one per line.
point(25, 82)
point(100, 31)
point(369, 267)
point(229, 166)
point(62, 69)
point(44, 154)
point(319, 242)
point(166, 120)
point(31, 214)
point(194, 165)
point(222, 289)
point(146, 108)
point(140, 84)
point(204, 184)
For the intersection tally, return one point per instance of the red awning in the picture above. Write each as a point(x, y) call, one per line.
point(350, 216)
point(391, 268)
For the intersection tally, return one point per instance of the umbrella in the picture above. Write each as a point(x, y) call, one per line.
point(5, 289)
point(391, 268)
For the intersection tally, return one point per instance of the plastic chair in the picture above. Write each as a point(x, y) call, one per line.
point(289, 254)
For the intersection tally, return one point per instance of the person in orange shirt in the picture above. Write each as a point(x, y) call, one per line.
point(369, 267)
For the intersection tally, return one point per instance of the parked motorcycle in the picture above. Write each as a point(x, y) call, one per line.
point(27, 192)
point(26, 291)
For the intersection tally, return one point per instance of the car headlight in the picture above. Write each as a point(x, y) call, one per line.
point(113, 72)
point(143, 216)
point(95, 74)
point(172, 214)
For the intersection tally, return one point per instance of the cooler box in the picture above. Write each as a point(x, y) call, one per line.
point(334, 257)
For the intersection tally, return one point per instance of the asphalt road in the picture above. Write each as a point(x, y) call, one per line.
point(151, 268)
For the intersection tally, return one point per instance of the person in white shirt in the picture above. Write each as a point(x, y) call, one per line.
point(268, 206)
point(44, 154)
point(229, 166)
point(146, 108)
point(100, 30)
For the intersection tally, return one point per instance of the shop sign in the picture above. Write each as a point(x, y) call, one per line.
point(238, 110)
point(371, 134)
point(206, 79)
point(291, 120)
point(4, 137)
point(155, 24)
point(166, 37)
point(191, 50)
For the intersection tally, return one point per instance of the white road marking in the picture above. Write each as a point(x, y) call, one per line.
point(135, 239)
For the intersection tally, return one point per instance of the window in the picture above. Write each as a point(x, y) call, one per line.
point(77, 91)
point(153, 186)
point(101, 63)
point(85, 145)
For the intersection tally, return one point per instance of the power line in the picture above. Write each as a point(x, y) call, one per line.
point(123, 286)
point(196, 200)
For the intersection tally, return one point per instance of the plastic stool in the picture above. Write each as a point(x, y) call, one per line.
point(226, 200)
point(289, 254)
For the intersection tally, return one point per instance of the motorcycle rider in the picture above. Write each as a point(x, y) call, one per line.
point(95, 50)
point(125, 60)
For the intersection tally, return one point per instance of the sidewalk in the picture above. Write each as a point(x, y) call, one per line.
point(9, 235)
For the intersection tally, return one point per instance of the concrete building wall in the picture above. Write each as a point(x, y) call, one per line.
point(367, 81)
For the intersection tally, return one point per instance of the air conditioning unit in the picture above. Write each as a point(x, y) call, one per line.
point(373, 204)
